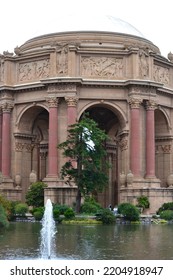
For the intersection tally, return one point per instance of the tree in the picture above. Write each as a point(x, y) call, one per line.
point(35, 194)
point(85, 146)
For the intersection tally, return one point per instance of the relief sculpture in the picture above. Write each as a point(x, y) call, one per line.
point(161, 74)
point(62, 61)
point(107, 67)
point(143, 65)
point(34, 70)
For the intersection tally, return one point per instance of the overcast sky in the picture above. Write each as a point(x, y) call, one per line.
point(21, 20)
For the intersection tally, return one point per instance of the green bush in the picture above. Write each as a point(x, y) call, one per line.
point(56, 214)
point(35, 195)
point(90, 206)
point(69, 214)
point(167, 215)
point(129, 211)
point(3, 218)
point(143, 202)
point(165, 206)
point(61, 208)
point(21, 209)
point(105, 216)
point(38, 215)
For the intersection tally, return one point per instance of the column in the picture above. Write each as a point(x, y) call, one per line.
point(0, 139)
point(150, 139)
point(53, 137)
point(135, 156)
point(6, 139)
point(71, 109)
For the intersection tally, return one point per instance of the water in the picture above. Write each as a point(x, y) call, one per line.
point(48, 232)
point(87, 242)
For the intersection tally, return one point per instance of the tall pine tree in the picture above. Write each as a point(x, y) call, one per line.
point(86, 163)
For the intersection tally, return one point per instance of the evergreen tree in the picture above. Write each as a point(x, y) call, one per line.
point(86, 162)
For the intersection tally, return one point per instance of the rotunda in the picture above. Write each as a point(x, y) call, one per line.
point(96, 64)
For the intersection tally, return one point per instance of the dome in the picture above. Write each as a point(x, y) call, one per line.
point(88, 23)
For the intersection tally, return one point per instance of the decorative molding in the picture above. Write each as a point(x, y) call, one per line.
point(61, 88)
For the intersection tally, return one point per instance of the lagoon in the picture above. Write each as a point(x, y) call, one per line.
point(86, 242)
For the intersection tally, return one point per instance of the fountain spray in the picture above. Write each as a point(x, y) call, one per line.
point(48, 232)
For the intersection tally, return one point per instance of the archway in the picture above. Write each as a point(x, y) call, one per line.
point(111, 124)
point(163, 144)
point(32, 144)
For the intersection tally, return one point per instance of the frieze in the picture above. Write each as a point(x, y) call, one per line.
point(104, 67)
point(34, 70)
point(61, 87)
point(137, 90)
point(161, 74)
point(20, 146)
point(166, 149)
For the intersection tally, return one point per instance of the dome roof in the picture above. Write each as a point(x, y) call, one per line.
point(83, 22)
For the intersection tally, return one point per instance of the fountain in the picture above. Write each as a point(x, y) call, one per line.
point(48, 232)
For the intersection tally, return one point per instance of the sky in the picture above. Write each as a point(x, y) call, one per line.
point(21, 20)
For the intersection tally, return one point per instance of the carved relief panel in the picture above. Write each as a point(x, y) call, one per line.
point(34, 70)
point(102, 67)
point(161, 74)
point(1, 70)
point(62, 61)
point(143, 65)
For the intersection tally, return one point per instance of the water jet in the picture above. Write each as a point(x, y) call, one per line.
point(48, 231)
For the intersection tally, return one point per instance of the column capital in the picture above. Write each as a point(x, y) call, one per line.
point(52, 101)
point(151, 105)
point(7, 107)
point(135, 102)
point(71, 100)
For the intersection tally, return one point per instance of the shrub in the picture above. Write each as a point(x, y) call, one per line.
point(56, 214)
point(61, 207)
point(90, 206)
point(35, 195)
point(129, 211)
point(143, 202)
point(167, 215)
point(69, 214)
point(21, 209)
point(165, 206)
point(38, 215)
point(3, 218)
point(105, 216)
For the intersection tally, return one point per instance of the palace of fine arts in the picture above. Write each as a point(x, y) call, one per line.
point(107, 69)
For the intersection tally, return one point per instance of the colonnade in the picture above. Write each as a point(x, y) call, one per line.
point(135, 135)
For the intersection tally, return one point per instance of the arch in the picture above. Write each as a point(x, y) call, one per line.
point(112, 107)
point(162, 122)
point(26, 108)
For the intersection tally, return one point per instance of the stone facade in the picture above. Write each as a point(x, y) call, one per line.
point(125, 85)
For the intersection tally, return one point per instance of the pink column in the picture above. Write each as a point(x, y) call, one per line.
point(0, 140)
point(71, 110)
point(6, 143)
point(53, 137)
point(150, 139)
point(135, 137)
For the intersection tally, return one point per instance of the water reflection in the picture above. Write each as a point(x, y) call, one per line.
point(121, 242)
